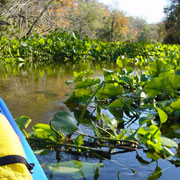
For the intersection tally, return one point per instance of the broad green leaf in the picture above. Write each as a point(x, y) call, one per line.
point(119, 62)
point(158, 66)
point(116, 104)
point(23, 122)
point(176, 104)
point(43, 131)
point(87, 82)
point(162, 115)
point(110, 90)
point(171, 81)
point(79, 76)
point(108, 75)
point(83, 92)
point(154, 87)
point(166, 83)
point(153, 155)
point(4, 39)
point(149, 138)
point(168, 142)
point(63, 123)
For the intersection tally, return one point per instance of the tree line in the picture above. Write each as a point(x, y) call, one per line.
point(19, 18)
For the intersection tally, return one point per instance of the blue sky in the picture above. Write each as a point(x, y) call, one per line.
point(151, 10)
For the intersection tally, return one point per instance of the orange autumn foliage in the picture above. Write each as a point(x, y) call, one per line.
point(60, 11)
point(120, 26)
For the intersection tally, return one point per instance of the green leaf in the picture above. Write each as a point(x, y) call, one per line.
point(156, 174)
point(4, 39)
point(43, 131)
point(23, 122)
point(153, 155)
point(108, 75)
point(79, 140)
point(110, 90)
point(87, 82)
point(151, 137)
point(80, 75)
point(176, 104)
point(158, 66)
point(154, 87)
point(83, 92)
point(119, 61)
point(162, 115)
point(168, 142)
point(50, 41)
point(116, 104)
point(141, 160)
point(63, 123)
point(42, 41)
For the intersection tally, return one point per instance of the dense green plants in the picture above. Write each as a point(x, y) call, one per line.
point(125, 109)
point(111, 106)
point(61, 47)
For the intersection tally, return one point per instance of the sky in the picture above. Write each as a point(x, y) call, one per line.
point(150, 10)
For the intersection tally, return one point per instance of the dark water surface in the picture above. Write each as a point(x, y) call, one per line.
point(40, 93)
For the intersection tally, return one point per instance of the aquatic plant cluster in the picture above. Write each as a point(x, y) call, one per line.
point(112, 105)
point(126, 109)
point(71, 48)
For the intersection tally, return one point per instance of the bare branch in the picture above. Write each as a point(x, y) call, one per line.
point(34, 23)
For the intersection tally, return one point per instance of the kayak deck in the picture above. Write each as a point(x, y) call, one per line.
point(31, 158)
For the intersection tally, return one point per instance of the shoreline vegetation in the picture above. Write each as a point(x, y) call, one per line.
point(129, 107)
point(62, 47)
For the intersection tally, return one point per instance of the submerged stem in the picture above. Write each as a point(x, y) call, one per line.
point(88, 102)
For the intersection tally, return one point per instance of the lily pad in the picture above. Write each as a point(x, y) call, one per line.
point(75, 169)
point(63, 123)
point(169, 142)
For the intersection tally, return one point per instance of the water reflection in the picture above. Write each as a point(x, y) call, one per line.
point(35, 92)
point(126, 165)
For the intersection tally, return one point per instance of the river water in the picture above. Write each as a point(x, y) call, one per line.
point(40, 92)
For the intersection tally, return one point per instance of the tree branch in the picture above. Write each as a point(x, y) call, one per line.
point(34, 23)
